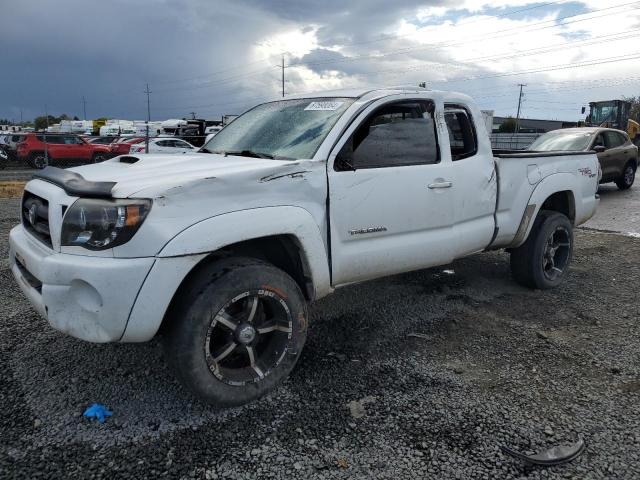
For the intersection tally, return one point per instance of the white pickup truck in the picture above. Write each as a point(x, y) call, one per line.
point(222, 250)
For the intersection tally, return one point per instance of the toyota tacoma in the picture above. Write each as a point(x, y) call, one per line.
point(221, 251)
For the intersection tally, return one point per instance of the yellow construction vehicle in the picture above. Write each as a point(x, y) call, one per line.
point(613, 114)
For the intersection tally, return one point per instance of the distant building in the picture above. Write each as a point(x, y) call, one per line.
point(530, 125)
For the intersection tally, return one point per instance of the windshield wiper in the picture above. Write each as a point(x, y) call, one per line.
point(249, 153)
point(204, 150)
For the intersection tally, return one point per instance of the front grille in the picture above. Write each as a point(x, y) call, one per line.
point(35, 217)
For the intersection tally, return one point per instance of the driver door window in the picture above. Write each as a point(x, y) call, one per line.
point(400, 134)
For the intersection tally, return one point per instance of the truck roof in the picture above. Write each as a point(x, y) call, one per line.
point(378, 92)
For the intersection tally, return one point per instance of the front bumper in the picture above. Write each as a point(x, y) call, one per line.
point(83, 296)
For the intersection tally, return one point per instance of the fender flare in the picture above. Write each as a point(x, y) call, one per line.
point(557, 182)
point(220, 231)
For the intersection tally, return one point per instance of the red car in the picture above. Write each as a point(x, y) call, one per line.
point(122, 146)
point(59, 146)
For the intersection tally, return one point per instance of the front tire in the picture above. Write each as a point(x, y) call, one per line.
point(627, 178)
point(543, 260)
point(236, 330)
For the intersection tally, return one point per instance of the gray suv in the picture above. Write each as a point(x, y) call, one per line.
point(617, 155)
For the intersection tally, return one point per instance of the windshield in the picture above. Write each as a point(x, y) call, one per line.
point(288, 129)
point(563, 141)
point(603, 112)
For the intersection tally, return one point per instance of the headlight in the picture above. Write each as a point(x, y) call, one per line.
point(100, 224)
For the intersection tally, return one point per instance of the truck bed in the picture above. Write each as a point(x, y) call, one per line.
point(505, 153)
point(520, 172)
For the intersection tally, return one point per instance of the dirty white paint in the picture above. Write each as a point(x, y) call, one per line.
point(204, 202)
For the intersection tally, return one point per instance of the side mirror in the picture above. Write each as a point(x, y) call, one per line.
point(584, 109)
point(344, 158)
point(343, 163)
point(599, 149)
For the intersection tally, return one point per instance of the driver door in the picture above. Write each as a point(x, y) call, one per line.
point(390, 202)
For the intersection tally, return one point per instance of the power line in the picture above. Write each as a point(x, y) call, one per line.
point(515, 30)
point(390, 37)
point(565, 66)
point(232, 78)
point(219, 81)
point(385, 38)
point(521, 53)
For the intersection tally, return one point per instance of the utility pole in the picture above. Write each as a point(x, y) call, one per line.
point(46, 148)
point(283, 75)
point(146, 145)
point(521, 85)
point(84, 107)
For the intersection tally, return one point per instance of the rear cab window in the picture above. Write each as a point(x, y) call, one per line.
point(462, 133)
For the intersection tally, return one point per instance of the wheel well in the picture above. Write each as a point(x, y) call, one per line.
point(562, 202)
point(282, 251)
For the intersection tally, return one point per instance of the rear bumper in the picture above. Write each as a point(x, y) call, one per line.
point(86, 297)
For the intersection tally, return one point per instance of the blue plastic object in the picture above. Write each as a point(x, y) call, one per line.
point(97, 411)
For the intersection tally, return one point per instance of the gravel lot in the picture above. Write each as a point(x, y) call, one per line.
point(492, 364)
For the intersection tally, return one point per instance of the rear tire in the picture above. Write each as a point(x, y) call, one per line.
point(236, 330)
point(543, 260)
point(98, 157)
point(627, 178)
point(38, 160)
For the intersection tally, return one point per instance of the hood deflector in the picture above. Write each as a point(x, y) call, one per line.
point(75, 184)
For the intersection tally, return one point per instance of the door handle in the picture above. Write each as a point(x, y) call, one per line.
point(440, 185)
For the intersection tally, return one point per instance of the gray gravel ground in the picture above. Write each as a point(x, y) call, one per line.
point(492, 364)
point(16, 173)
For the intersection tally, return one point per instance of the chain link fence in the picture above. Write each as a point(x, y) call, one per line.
point(39, 149)
point(512, 141)
point(36, 150)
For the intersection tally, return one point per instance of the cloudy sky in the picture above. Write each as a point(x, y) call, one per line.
point(222, 56)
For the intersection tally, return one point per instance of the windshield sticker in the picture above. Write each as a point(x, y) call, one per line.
point(328, 106)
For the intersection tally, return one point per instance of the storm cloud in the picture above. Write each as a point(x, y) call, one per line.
point(220, 57)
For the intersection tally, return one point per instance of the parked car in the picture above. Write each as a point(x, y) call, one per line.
point(122, 146)
point(163, 145)
point(11, 141)
point(295, 198)
point(617, 155)
point(101, 140)
point(4, 157)
point(39, 153)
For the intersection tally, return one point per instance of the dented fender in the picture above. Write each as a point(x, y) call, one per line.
point(217, 232)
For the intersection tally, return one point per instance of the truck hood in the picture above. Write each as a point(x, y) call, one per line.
point(153, 175)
